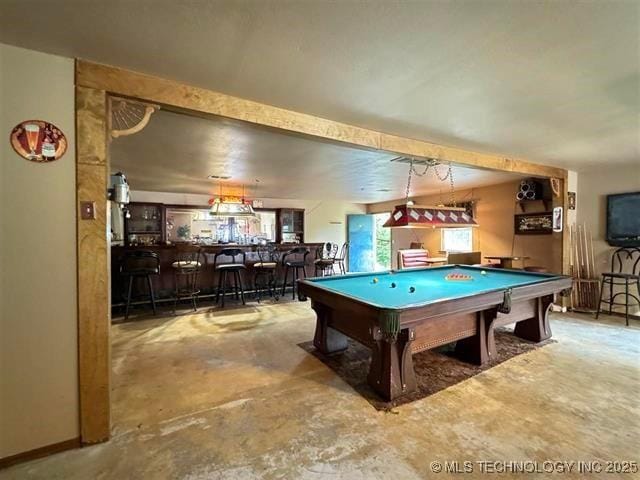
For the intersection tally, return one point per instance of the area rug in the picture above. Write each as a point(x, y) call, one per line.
point(435, 369)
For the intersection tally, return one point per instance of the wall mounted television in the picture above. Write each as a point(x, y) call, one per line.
point(623, 219)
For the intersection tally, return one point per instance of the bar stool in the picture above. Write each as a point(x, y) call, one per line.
point(295, 259)
point(140, 264)
point(617, 277)
point(234, 267)
point(326, 259)
point(186, 268)
point(342, 258)
point(266, 267)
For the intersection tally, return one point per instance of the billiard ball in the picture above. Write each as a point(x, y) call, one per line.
point(375, 280)
point(393, 284)
point(412, 289)
point(483, 272)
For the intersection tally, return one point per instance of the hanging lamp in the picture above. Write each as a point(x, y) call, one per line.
point(230, 206)
point(409, 215)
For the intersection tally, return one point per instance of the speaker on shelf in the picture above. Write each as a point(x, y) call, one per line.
point(529, 190)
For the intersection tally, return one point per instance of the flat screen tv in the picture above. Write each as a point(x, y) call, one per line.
point(623, 219)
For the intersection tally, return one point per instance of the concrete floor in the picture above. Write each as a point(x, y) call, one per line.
point(230, 395)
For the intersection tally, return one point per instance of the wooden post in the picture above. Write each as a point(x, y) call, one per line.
point(93, 266)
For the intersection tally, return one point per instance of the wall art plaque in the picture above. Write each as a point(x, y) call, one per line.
point(38, 141)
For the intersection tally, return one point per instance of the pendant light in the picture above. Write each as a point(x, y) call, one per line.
point(230, 206)
point(409, 215)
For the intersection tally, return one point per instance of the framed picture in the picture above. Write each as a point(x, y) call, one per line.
point(557, 219)
point(533, 224)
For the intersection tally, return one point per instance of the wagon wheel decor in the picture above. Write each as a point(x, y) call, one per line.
point(129, 116)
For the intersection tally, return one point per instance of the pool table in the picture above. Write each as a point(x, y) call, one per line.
point(399, 313)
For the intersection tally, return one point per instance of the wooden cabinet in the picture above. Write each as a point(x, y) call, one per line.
point(145, 225)
point(291, 225)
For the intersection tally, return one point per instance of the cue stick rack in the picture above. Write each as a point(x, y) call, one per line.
point(586, 284)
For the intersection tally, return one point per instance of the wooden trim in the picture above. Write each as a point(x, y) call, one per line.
point(93, 266)
point(566, 247)
point(40, 452)
point(181, 96)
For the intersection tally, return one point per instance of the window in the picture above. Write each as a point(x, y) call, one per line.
point(457, 239)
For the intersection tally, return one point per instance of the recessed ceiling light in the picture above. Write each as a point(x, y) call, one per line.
point(218, 177)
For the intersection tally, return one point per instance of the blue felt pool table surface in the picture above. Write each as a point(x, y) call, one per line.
point(430, 284)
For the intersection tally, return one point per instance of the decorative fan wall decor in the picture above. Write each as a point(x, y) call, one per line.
point(129, 116)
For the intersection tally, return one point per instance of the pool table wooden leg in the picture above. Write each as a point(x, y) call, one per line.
point(537, 328)
point(326, 339)
point(476, 349)
point(391, 372)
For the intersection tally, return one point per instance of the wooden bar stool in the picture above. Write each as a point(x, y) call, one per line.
point(186, 268)
point(140, 264)
point(266, 268)
point(224, 268)
point(295, 260)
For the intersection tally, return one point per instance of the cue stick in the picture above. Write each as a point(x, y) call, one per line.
point(584, 232)
point(585, 257)
point(595, 285)
point(580, 266)
point(576, 266)
point(586, 263)
point(572, 267)
point(577, 248)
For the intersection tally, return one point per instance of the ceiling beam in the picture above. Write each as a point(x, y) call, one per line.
point(175, 94)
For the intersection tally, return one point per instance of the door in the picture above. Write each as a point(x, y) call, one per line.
point(361, 237)
point(383, 242)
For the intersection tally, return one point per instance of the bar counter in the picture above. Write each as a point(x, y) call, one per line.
point(163, 284)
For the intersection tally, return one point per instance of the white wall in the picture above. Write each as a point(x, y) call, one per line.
point(38, 322)
point(324, 220)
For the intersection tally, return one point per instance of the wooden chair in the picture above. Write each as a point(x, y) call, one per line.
point(619, 276)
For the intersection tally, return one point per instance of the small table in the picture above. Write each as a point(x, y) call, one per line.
point(506, 261)
point(397, 314)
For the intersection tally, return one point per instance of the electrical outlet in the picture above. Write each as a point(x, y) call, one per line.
point(88, 210)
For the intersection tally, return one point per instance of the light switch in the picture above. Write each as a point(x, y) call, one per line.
point(88, 210)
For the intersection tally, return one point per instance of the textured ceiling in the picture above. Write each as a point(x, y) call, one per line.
point(553, 82)
point(176, 153)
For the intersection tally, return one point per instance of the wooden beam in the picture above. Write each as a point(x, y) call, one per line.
point(178, 95)
point(93, 264)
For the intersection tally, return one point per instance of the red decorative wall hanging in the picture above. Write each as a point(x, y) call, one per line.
point(38, 141)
